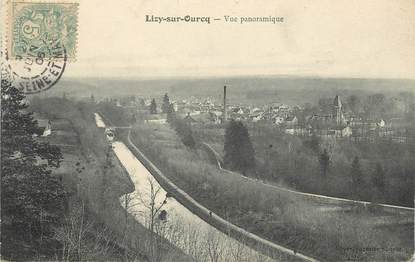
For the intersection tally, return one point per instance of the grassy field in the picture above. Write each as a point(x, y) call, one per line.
point(292, 161)
point(324, 232)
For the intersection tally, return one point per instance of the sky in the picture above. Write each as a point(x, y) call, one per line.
point(325, 38)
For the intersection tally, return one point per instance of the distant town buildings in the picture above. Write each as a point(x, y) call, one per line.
point(334, 121)
point(331, 124)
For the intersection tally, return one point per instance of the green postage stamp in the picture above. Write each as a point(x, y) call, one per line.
point(39, 28)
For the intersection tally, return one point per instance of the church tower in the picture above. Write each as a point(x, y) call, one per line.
point(338, 110)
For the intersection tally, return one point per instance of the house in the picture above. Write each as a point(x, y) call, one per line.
point(157, 119)
point(175, 106)
point(238, 110)
point(255, 110)
point(298, 131)
point(291, 121)
point(290, 131)
point(336, 132)
point(147, 102)
point(343, 131)
point(278, 120)
point(215, 116)
point(257, 117)
point(256, 114)
point(45, 126)
point(381, 123)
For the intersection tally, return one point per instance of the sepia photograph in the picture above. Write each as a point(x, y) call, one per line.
point(207, 131)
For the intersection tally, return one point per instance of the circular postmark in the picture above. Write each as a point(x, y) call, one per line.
point(38, 70)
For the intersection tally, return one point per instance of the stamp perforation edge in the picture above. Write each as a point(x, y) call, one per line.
point(8, 25)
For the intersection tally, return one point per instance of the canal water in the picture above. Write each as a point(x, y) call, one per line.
point(174, 221)
point(99, 121)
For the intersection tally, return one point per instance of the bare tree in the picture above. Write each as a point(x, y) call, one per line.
point(202, 244)
point(154, 209)
point(214, 247)
point(237, 251)
point(192, 242)
point(81, 238)
point(155, 215)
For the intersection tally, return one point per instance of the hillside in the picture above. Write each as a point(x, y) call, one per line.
point(253, 90)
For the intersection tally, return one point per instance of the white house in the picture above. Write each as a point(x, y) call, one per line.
point(157, 119)
point(381, 123)
point(278, 120)
point(46, 126)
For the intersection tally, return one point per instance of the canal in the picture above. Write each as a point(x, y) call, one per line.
point(171, 219)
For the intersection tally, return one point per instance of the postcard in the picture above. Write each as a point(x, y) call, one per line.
point(209, 131)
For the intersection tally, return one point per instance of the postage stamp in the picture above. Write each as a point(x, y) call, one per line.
point(41, 38)
point(36, 28)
